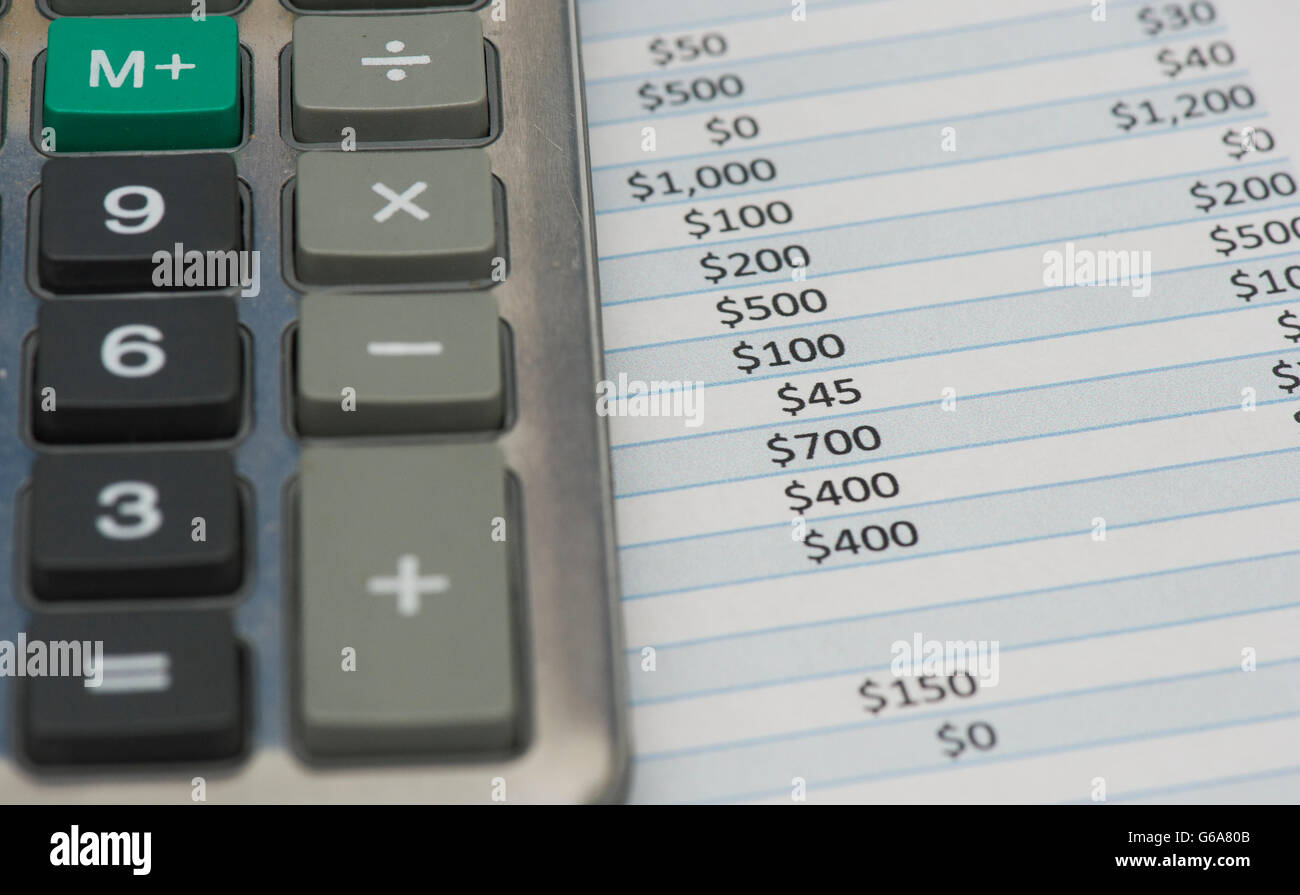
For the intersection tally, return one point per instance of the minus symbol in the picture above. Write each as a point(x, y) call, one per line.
point(404, 349)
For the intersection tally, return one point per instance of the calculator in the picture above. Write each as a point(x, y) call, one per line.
point(299, 340)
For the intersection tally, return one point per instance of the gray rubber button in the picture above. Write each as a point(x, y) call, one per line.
point(376, 364)
point(406, 637)
point(394, 217)
point(420, 77)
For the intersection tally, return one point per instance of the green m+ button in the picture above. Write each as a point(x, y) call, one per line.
point(122, 84)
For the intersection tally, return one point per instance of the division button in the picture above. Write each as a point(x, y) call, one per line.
point(419, 77)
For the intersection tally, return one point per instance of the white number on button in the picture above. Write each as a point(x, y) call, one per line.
point(137, 501)
point(147, 217)
point(133, 340)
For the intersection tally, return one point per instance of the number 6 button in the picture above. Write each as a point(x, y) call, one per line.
point(134, 525)
point(103, 220)
point(137, 369)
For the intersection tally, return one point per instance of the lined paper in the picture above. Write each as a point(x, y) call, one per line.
point(966, 323)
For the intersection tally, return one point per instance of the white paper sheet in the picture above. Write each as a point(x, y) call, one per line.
point(1001, 252)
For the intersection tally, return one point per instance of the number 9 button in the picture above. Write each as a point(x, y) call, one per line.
point(103, 219)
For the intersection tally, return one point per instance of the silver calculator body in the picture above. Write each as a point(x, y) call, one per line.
point(572, 745)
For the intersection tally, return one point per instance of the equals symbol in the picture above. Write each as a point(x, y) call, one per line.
point(395, 47)
point(134, 673)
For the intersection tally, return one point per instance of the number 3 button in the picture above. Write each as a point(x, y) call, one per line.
point(134, 525)
point(102, 220)
point(137, 369)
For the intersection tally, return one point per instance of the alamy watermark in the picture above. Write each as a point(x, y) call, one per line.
point(637, 397)
point(192, 269)
point(53, 658)
point(78, 848)
point(919, 657)
point(1086, 267)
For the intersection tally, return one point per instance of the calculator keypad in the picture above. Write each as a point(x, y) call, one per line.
point(104, 220)
point(407, 566)
point(394, 217)
point(137, 370)
point(131, 524)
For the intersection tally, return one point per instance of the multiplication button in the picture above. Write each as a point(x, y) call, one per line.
point(419, 77)
point(377, 364)
point(405, 624)
point(394, 217)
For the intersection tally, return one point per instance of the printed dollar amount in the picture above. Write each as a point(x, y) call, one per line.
point(852, 489)
point(1183, 107)
point(1241, 192)
point(1270, 281)
point(695, 90)
point(705, 178)
point(765, 307)
point(666, 51)
point(751, 216)
point(783, 353)
point(1218, 54)
point(904, 692)
point(1160, 17)
point(722, 131)
point(854, 541)
point(1247, 140)
point(956, 739)
point(836, 393)
point(818, 445)
point(1248, 237)
point(751, 264)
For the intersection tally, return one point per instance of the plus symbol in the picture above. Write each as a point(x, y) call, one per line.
point(176, 66)
point(408, 585)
